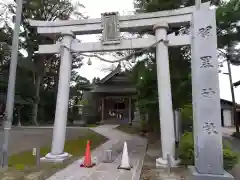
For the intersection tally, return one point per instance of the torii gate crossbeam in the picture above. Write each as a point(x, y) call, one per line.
point(124, 45)
point(132, 23)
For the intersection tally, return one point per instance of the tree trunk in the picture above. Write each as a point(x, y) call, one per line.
point(37, 78)
point(36, 101)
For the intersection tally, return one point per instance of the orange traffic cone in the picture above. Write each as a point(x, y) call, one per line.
point(87, 159)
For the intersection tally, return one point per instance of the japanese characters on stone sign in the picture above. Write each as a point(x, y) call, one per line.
point(210, 128)
point(206, 62)
point(207, 92)
point(205, 32)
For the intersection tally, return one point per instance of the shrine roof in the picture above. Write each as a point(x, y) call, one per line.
point(110, 84)
point(111, 74)
point(229, 102)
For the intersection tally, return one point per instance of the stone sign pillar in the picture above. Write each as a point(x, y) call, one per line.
point(137, 118)
point(60, 122)
point(165, 97)
point(206, 99)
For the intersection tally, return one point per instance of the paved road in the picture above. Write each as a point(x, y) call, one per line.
point(23, 139)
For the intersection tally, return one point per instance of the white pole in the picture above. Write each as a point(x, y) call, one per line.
point(11, 82)
point(198, 4)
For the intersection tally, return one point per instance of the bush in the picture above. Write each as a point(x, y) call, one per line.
point(186, 149)
point(144, 127)
point(186, 152)
point(230, 159)
point(187, 118)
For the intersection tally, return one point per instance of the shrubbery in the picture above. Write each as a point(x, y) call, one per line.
point(186, 152)
point(187, 119)
point(186, 149)
point(144, 127)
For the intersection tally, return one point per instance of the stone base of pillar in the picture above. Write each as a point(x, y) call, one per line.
point(136, 123)
point(197, 176)
point(79, 122)
point(160, 162)
point(51, 158)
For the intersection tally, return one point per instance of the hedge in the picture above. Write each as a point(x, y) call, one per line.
point(186, 152)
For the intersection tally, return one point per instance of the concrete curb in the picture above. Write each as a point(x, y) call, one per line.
point(138, 172)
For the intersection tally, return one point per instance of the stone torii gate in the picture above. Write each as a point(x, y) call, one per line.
point(206, 101)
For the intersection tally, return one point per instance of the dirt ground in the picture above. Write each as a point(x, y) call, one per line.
point(150, 172)
point(26, 139)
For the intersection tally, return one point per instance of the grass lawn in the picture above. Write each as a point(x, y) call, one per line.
point(22, 164)
point(128, 129)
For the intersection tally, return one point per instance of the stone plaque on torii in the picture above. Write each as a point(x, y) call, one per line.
point(111, 25)
point(111, 32)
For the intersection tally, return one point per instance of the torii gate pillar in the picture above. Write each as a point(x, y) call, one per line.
point(57, 152)
point(165, 97)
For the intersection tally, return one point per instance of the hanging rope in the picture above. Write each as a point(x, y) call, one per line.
point(121, 59)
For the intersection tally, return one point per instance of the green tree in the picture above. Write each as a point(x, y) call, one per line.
point(78, 85)
point(42, 71)
point(160, 5)
point(228, 17)
point(145, 72)
point(228, 34)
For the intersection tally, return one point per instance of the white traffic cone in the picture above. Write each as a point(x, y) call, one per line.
point(125, 159)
